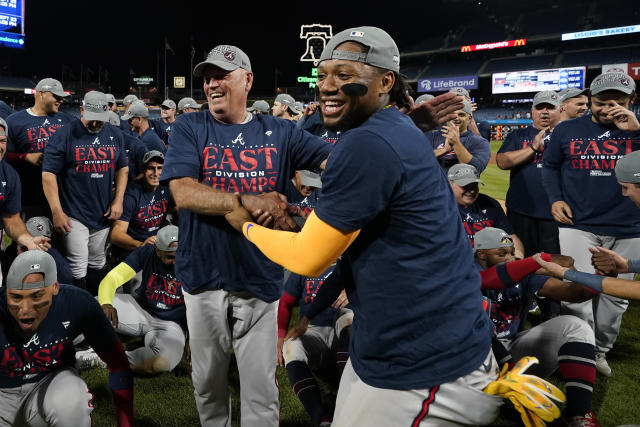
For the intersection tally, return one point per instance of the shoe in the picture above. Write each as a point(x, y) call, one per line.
point(586, 420)
point(87, 359)
point(602, 366)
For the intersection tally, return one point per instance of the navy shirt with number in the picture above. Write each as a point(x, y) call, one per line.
point(145, 211)
point(250, 158)
point(484, 212)
point(526, 194)
point(477, 146)
point(418, 315)
point(160, 292)
point(85, 164)
point(582, 156)
point(28, 133)
point(305, 290)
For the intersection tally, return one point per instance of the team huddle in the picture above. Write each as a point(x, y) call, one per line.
point(363, 209)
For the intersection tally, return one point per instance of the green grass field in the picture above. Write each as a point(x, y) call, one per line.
point(167, 400)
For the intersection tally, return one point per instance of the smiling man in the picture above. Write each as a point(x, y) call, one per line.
point(578, 176)
point(392, 218)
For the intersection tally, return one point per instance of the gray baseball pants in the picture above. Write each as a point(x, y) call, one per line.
point(85, 247)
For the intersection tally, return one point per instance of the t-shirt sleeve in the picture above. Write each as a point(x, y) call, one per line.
point(182, 158)
point(129, 204)
point(432, 137)
point(534, 282)
point(356, 186)
point(122, 160)
point(293, 286)
point(509, 143)
point(481, 152)
point(94, 324)
point(55, 152)
point(136, 259)
point(307, 150)
point(551, 165)
point(13, 193)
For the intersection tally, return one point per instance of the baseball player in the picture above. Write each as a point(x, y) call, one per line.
point(113, 105)
point(230, 288)
point(28, 133)
point(302, 190)
point(40, 319)
point(156, 311)
point(478, 211)
point(259, 107)
point(86, 157)
point(482, 128)
point(284, 107)
point(162, 126)
point(188, 105)
point(574, 103)
point(137, 116)
point(394, 217)
point(42, 226)
point(578, 175)
point(145, 207)
point(326, 340)
point(124, 124)
point(565, 343)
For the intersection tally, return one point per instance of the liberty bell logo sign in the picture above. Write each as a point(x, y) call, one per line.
point(316, 36)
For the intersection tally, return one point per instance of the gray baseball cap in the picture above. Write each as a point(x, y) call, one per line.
point(3, 123)
point(467, 107)
point(169, 104)
point(463, 174)
point(546, 97)
point(166, 236)
point(310, 179)
point(152, 155)
point(114, 119)
point(187, 103)
point(571, 92)
point(95, 106)
point(129, 99)
point(51, 85)
point(299, 106)
point(39, 226)
point(29, 262)
point(226, 57)
point(613, 81)
point(383, 51)
point(423, 98)
point(286, 99)
point(628, 168)
point(110, 98)
point(259, 105)
point(460, 91)
point(491, 238)
point(136, 109)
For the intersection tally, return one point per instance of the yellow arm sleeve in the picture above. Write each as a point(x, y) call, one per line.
point(117, 277)
point(309, 252)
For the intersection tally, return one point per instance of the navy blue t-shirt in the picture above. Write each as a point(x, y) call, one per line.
point(484, 212)
point(73, 312)
point(62, 266)
point(10, 190)
point(152, 141)
point(160, 292)
point(484, 127)
point(295, 198)
point(125, 127)
point(145, 211)
point(251, 158)
point(583, 155)
point(162, 129)
point(305, 289)
point(86, 165)
point(135, 150)
point(526, 194)
point(30, 134)
point(313, 125)
point(418, 316)
point(477, 146)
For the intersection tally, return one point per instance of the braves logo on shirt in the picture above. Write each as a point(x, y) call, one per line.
point(599, 156)
point(163, 291)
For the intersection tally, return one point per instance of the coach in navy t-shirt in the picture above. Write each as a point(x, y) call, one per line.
point(528, 207)
point(82, 161)
point(585, 197)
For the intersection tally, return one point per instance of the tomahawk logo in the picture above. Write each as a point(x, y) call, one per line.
point(96, 141)
point(46, 122)
point(34, 340)
point(238, 140)
point(316, 36)
point(607, 134)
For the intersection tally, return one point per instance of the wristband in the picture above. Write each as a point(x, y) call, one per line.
point(634, 265)
point(534, 150)
point(591, 281)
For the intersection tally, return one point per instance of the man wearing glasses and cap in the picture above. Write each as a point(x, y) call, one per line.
point(81, 164)
point(28, 133)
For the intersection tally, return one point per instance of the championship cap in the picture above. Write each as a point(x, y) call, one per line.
point(226, 57)
point(463, 174)
point(460, 91)
point(110, 98)
point(152, 155)
point(467, 107)
point(286, 99)
point(491, 238)
point(166, 236)
point(136, 109)
point(423, 98)
point(383, 51)
point(259, 105)
point(51, 85)
point(114, 119)
point(3, 123)
point(546, 97)
point(129, 99)
point(169, 104)
point(571, 92)
point(628, 168)
point(310, 179)
point(613, 81)
point(29, 262)
point(95, 106)
point(187, 103)
point(39, 226)
point(299, 106)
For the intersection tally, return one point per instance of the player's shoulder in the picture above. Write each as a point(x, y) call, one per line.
point(71, 298)
point(17, 117)
point(484, 200)
point(7, 170)
point(143, 252)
